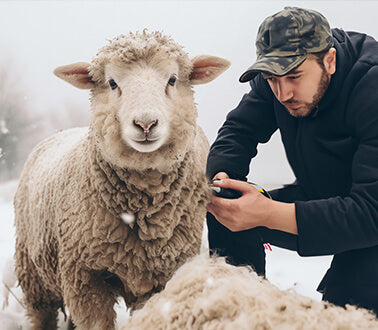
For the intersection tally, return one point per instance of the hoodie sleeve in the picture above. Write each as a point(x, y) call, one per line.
point(252, 122)
point(338, 224)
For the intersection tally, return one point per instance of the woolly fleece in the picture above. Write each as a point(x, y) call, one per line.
point(207, 293)
point(72, 248)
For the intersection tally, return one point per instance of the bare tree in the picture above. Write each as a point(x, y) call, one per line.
point(19, 130)
point(21, 127)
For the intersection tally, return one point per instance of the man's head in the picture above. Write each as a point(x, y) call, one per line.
point(295, 54)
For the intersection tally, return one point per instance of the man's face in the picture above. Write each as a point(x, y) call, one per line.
point(301, 90)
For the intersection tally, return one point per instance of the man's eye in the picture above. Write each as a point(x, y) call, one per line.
point(293, 77)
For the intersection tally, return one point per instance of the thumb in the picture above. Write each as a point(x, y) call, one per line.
point(220, 176)
point(241, 186)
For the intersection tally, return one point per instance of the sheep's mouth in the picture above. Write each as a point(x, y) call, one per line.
point(146, 144)
point(145, 141)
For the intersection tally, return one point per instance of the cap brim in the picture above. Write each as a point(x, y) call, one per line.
point(275, 65)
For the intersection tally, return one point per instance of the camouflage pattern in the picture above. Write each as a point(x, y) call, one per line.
point(284, 40)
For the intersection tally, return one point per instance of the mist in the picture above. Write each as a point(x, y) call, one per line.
point(37, 36)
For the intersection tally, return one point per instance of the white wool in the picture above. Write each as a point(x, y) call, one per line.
point(239, 300)
point(120, 206)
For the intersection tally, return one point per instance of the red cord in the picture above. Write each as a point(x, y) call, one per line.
point(267, 246)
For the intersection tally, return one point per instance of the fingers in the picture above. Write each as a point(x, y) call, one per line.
point(221, 210)
point(219, 205)
point(219, 202)
point(241, 186)
point(220, 176)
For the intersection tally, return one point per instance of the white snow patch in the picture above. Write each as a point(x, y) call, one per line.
point(166, 307)
point(210, 281)
point(128, 218)
point(204, 242)
point(3, 127)
point(9, 280)
point(7, 191)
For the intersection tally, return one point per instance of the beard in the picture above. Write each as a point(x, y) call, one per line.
point(307, 108)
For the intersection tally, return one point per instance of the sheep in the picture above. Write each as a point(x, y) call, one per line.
point(208, 293)
point(143, 156)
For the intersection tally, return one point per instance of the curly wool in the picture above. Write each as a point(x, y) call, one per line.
point(72, 247)
point(73, 224)
point(132, 47)
point(149, 49)
point(208, 293)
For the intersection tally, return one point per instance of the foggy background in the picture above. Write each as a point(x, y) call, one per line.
point(37, 36)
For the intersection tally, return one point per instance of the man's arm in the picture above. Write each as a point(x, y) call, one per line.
point(252, 122)
point(327, 226)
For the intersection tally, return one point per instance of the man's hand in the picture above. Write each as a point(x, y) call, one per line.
point(243, 213)
point(250, 210)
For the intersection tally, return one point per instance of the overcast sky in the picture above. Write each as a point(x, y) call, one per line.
point(37, 36)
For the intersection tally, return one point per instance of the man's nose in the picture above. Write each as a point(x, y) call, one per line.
point(284, 91)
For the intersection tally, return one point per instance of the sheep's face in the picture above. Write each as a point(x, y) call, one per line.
point(142, 101)
point(145, 96)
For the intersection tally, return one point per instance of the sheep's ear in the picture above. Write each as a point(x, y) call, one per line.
point(76, 74)
point(206, 68)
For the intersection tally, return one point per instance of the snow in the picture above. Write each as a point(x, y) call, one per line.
point(72, 36)
point(3, 128)
point(284, 268)
point(166, 307)
point(128, 218)
point(210, 281)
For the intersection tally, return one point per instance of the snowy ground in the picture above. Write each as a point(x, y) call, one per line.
point(284, 268)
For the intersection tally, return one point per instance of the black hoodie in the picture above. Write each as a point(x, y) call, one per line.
point(333, 154)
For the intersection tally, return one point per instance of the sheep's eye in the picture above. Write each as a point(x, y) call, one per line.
point(172, 80)
point(112, 84)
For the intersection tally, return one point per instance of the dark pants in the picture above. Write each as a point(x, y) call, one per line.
point(239, 248)
point(352, 278)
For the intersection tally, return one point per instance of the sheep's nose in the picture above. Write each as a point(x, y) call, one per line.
point(145, 127)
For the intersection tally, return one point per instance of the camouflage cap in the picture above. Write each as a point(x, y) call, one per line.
point(284, 40)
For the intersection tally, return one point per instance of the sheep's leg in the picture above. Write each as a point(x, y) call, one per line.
point(41, 304)
point(46, 320)
point(88, 299)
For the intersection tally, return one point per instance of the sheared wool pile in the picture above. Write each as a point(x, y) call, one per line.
point(208, 293)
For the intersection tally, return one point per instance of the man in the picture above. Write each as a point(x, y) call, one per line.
point(319, 88)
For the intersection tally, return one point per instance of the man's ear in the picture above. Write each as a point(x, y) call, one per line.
point(329, 61)
point(76, 74)
point(206, 68)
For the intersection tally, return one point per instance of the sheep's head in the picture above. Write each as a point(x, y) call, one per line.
point(143, 109)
